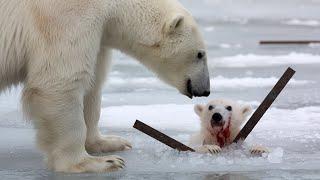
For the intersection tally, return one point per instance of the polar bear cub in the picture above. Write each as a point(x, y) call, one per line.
point(221, 121)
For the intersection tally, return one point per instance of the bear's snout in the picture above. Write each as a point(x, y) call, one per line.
point(216, 120)
point(196, 91)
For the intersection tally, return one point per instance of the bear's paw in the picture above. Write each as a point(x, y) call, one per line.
point(258, 150)
point(93, 164)
point(105, 144)
point(212, 149)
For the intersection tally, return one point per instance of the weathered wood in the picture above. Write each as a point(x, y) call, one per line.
point(274, 42)
point(161, 137)
point(264, 106)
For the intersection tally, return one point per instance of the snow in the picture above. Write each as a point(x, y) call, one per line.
point(253, 60)
point(298, 22)
point(179, 121)
point(245, 10)
point(240, 69)
point(291, 135)
point(220, 82)
point(209, 28)
point(275, 156)
point(229, 46)
point(182, 117)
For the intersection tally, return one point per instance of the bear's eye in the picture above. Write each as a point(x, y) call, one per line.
point(229, 108)
point(210, 107)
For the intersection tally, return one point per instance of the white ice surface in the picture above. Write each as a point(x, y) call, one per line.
point(243, 10)
point(209, 28)
point(298, 22)
point(229, 46)
point(254, 60)
point(182, 118)
point(291, 135)
point(220, 82)
point(251, 60)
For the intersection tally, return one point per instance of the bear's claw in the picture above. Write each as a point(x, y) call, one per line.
point(212, 149)
point(258, 150)
point(97, 165)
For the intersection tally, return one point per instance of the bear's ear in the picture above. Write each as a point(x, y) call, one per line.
point(198, 109)
point(174, 23)
point(246, 110)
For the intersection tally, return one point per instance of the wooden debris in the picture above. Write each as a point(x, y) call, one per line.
point(161, 137)
point(273, 42)
point(264, 106)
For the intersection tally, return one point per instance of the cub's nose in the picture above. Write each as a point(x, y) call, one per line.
point(217, 117)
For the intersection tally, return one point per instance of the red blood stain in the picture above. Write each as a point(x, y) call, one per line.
point(224, 134)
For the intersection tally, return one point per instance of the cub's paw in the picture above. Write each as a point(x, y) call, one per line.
point(258, 150)
point(212, 149)
point(106, 144)
point(98, 165)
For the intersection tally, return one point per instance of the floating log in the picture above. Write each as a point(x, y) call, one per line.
point(264, 106)
point(161, 137)
point(304, 42)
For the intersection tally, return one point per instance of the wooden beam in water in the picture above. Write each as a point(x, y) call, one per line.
point(289, 42)
point(161, 137)
point(264, 106)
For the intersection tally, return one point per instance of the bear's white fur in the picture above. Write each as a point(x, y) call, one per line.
point(60, 50)
point(221, 121)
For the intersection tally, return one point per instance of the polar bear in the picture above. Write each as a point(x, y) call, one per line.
point(60, 51)
point(221, 121)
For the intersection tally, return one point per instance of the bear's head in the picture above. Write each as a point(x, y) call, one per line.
point(220, 114)
point(164, 37)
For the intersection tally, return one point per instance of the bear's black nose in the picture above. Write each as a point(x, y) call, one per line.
point(201, 54)
point(217, 117)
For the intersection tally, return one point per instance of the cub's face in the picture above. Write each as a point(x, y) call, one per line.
point(219, 113)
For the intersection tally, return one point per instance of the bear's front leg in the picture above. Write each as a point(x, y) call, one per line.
point(95, 142)
point(61, 130)
point(57, 82)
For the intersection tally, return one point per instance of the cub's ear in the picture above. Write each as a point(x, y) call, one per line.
point(198, 109)
point(174, 23)
point(246, 110)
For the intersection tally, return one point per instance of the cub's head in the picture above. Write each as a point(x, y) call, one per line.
point(164, 37)
point(218, 113)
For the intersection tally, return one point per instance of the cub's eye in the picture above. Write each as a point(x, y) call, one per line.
point(210, 107)
point(229, 108)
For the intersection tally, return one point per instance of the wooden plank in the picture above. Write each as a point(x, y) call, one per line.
point(290, 42)
point(161, 137)
point(264, 106)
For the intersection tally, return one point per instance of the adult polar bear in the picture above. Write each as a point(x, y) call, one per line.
point(60, 51)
